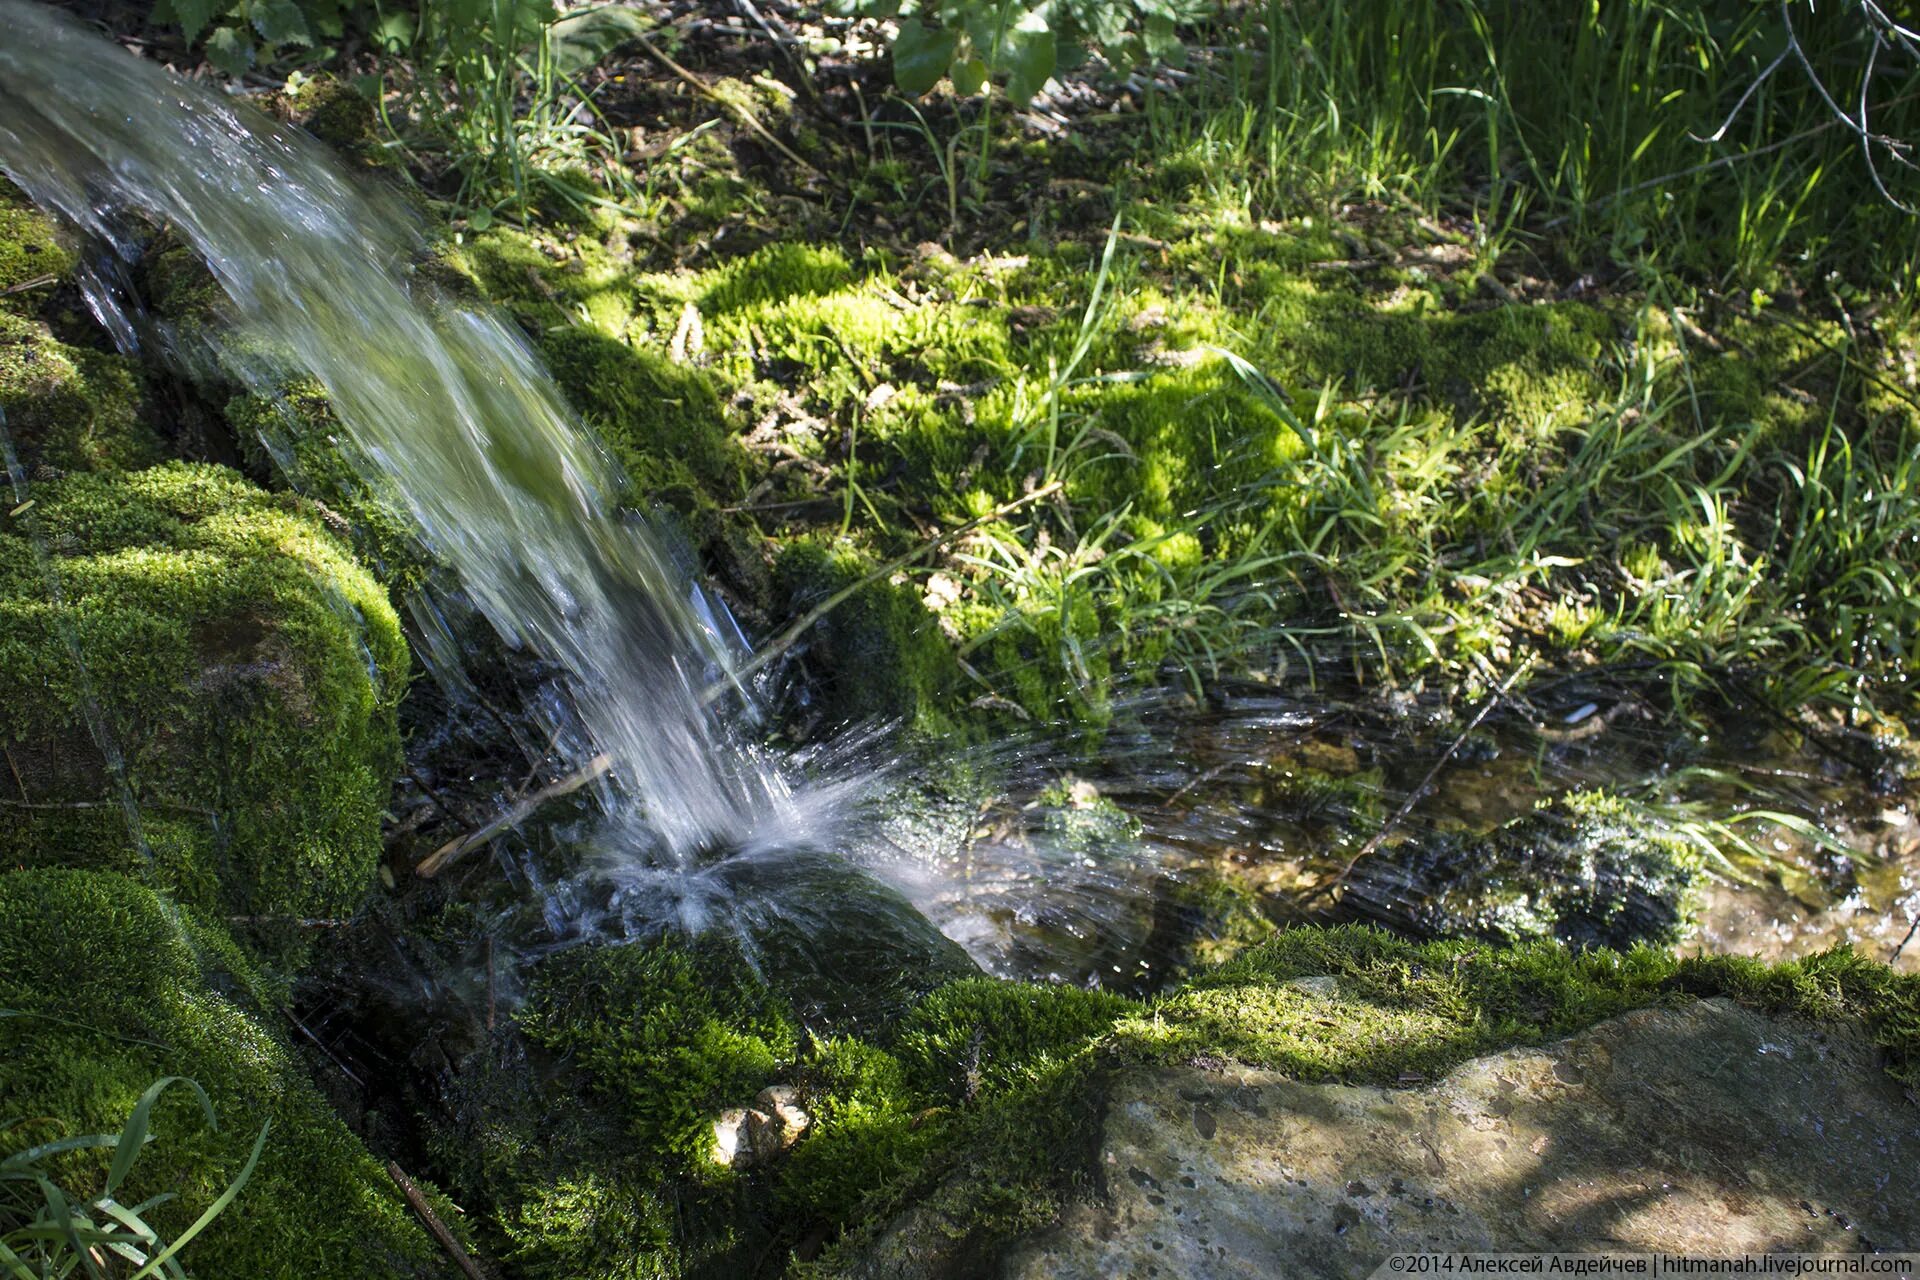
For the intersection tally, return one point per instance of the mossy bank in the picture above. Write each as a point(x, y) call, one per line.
point(148, 989)
point(931, 1141)
point(206, 686)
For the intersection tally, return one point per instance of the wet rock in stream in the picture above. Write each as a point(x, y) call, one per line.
point(1586, 869)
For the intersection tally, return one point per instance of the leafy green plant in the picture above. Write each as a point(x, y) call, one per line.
point(1016, 45)
point(48, 1231)
point(235, 34)
point(491, 91)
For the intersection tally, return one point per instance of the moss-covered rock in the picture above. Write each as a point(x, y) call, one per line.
point(295, 436)
point(332, 110)
point(1587, 868)
point(73, 408)
point(1350, 1004)
point(106, 986)
point(30, 249)
point(662, 421)
point(206, 685)
point(589, 1137)
point(878, 655)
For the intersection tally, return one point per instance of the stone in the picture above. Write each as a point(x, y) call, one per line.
point(746, 1137)
point(781, 1102)
point(732, 1136)
point(1705, 1128)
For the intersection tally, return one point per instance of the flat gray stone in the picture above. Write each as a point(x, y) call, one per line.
point(1704, 1129)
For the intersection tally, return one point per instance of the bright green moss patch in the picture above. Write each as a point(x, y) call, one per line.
point(206, 685)
point(106, 986)
point(595, 1157)
point(670, 1032)
point(297, 432)
point(985, 1037)
point(29, 250)
point(868, 1135)
point(661, 420)
point(1398, 1007)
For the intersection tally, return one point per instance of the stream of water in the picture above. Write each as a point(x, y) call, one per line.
point(443, 405)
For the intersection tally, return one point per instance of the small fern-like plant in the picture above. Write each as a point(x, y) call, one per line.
point(48, 1233)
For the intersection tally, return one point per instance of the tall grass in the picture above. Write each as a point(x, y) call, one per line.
point(1647, 131)
point(490, 91)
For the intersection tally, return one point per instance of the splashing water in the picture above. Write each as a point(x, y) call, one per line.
point(444, 402)
point(447, 410)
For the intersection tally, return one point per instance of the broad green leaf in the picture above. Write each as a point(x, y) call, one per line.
point(581, 40)
point(280, 22)
point(394, 32)
point(921, 56)
point(969, 75)
point(1163, 41)
point(1028, 54)
point(230, 50)
point(194, 15)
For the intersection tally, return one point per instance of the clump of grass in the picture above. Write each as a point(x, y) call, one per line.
point(48, 1230)
point(491, 91)
point(1676, 138)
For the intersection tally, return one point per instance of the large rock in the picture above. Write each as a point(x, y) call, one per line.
point(1704, 1128)
point(200, 692)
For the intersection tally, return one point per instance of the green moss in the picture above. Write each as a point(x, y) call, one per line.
point(880, 654)
point(780, 274)
point(870, 1135)
point(71, 407)
point(669, 1032)
point(1587, 868)
point(662, 421)
point(207, 686)
point(1400, 1008)
point(331, 110)
point(106, 986)
point(296, 432)
point(1202, 920)
point(180, 288)
point(593, 1153)
point(982, 1037)
point(30, 248)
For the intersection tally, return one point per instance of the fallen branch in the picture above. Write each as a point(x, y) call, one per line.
point(514, 814)
point(435, 1227)
point(38, 282)
point(431, 865)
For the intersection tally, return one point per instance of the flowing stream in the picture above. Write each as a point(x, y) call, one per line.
point(445, 408)
point(443, 405)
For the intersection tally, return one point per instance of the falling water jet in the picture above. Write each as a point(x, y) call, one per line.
point(441, 401)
